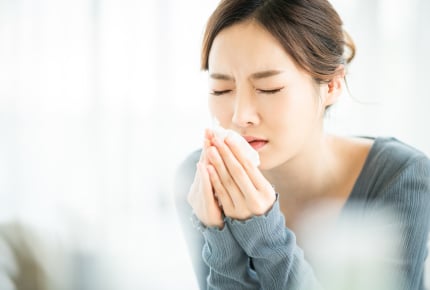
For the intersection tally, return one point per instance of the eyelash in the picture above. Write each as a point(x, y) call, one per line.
point(269, 92)
point(219, 93)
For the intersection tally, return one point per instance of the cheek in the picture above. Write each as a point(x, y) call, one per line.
point(302, 103)
point(220, 109)
point(295, 112)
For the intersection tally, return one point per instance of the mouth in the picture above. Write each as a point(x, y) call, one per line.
point(255, 142)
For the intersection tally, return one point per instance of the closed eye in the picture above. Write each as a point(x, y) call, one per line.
point(219, 93)
point(274, 91)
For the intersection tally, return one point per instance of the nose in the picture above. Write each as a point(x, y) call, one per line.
point(245, 110)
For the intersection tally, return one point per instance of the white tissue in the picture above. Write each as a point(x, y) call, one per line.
point(250, 153)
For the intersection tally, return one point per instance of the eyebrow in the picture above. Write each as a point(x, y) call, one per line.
point(265, 74)
point(221, 77)
point(257, 75)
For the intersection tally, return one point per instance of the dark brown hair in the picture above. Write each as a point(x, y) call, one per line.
point(310, 31)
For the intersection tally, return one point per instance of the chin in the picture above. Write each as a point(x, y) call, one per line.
point(262, 167)
point(265, 165)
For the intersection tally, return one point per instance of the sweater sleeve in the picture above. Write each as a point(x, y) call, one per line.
point(408, 195)
point(227, 262)
point(278, 261)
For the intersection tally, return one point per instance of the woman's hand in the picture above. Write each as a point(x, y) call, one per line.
point(239, 185)
point(201, 196)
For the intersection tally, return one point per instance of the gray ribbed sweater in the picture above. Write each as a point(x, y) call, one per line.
point(261, 253)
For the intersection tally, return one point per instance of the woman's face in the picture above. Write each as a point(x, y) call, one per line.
point(257, 90)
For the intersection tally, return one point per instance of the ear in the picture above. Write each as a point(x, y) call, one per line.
point(333, 89)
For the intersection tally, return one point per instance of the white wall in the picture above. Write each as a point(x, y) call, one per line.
point(389, 72)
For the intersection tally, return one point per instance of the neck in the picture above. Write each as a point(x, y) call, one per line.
point(310, 174)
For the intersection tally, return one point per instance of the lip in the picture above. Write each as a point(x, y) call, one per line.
point(256, 142)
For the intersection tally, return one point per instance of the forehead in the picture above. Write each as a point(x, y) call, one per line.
point(248, 46)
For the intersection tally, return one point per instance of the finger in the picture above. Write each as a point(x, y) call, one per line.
point(224, 177)
point(220, 191)
point(206, 206)
point(254, 174)
point(206, 144)
point(205, 182)
point(191, 197)
point(236, 169)
point(217, 161)
point(209, 134)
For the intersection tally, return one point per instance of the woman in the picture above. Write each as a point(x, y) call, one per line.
point(275, 67)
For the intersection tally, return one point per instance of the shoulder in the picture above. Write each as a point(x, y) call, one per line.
point(395, 170)
point(389, 156)
point(187, 167)
point(191, 159)
point(185, 173)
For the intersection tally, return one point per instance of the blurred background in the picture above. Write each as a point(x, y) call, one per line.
point(101, 99)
